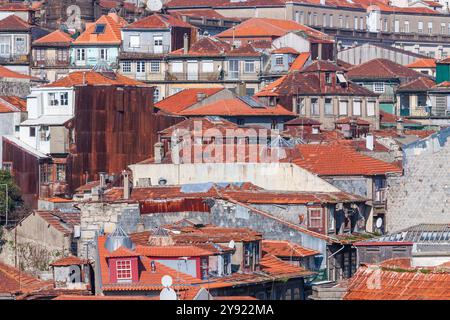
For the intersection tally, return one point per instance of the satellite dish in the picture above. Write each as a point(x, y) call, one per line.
point(154, 5)
point(168, 294)
point(379, 223)
point(166, 281)
point(231, 244)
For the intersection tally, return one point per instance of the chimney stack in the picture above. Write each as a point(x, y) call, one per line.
point(400, 127)
point(185, 43)
point(102, 180)
point(159, 152)
point(126, 185)
point(369, 142)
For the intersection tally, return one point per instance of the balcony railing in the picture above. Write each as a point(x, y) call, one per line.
point(14, 58)
point(379, 196)
point(146, 49)
point(200, 76)
point(50, 63)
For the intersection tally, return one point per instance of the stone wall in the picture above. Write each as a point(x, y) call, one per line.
point(15, 88)
point(422, 194)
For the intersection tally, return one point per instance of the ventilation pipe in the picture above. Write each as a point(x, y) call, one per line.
point(185, 43)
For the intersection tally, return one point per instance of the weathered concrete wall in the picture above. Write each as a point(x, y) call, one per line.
point(15, 88)
point(354, 185)
point(422, 194)
point(271, 176)
point(37, 245)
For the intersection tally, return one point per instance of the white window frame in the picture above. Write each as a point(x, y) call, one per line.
point(311, 218)
point(328, 104)
point(103, 54)
point(126, 66)
point(357, 102)
point(315, 107)
point(249, 66)
point(179, 68)
point(122, 268)
point(135, 41)
point(155, 66)
point(208, 66)
point(140, 66)
point(370, 112)
point(80, 54)
point(342, 111)
point(378, 87)
point(53, 99)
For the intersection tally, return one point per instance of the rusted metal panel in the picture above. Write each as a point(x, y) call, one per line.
point(110, 135)
point(176, 205)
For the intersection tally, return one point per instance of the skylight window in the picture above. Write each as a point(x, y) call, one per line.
point(99, 28)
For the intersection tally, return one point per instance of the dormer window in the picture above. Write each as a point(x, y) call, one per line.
point(279, 61)
point(100, 28)
point(123, 269)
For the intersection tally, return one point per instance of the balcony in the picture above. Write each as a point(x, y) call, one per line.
point(15, 59)
point(143, 50)
point(201, 76)
point(50, 63)
point(379, 199)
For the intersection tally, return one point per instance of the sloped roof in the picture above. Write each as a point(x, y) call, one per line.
point(172, 251)
point(110, 35)
point(276, 267)
point(235, 107)
point(16, 282)
point(54, 38)
point(7, 73)
point(79, 78)
point(423, 63)
point(389, 283)
point(419, 84)
point(12, 104)
point(206, 123)
point(184, 99)
point(69, 261)
point(158, 21)
point(285, 50)
point(266, 27)
point(206, 46)
point(339, 160)
point(61, 221)
point(381, 69)
point(302, 121)
point(300, 61)
point(13, 23)
point(284, 248)
point(322, 65)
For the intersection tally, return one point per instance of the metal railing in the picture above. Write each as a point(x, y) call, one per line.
point(200, 76)
point(51, 63)
point(146, 49)
point(14, 58)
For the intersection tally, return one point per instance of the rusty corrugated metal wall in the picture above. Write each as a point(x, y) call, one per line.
point(113, 128)
point(25, 169)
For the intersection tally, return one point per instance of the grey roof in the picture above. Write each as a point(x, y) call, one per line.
point(119, 238)
point(421, 233)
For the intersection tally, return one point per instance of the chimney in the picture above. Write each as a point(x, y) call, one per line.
point(241, 89)
point(400, 127)
point(159, 152)
point(102, 180)
point(185, 43)
point(126, 185)
point(369, 142)
point(200, 96)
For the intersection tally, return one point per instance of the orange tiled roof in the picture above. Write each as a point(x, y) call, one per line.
point(61, 221)
point(338, 160)
point(387, 283)
point(55, 37)
point(184, 99)
point(419, 84)
point(266, 27)
point(300, 61)
point(190, 124)
point(381, 69)
point(285, 50)
point(113, 297)
point(68, 261)
point(235, 107)
point(111, 34)
point(15, 282)
point(158, 21)
point(277, 267)
point(172, 251)
point(423, 63)
point(347, 120)
point(284, 248)
point(12, 104)
point(14, 23)
point(7, 73)
point(79, 78)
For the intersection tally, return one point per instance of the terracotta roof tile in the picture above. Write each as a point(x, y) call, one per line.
point(284, 248)
point(15, 282)
point(302, 121)
point(206, 124)
point(277, 267)
point(338, 160)
point(285, 50)
point(111, 34)
point(185, 98)
point(92, 78)
point(172, 251)
point(158, 21)
point(348, 120)
point(7, 73)
point(419, 84)
point(235, 107)
point(55, 38)
point(61, 221)
point(300, 61)
point(398, 284)
point(68, 261)
point(12, 104)
point(14, 23)
point(381, 69)
point(423, 63)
